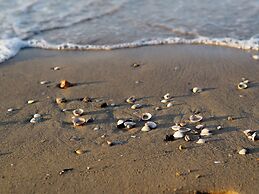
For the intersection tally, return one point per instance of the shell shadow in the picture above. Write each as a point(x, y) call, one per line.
point(253, 150)
point(225, 130)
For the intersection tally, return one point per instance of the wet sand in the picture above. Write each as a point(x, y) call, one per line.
point(32, 155)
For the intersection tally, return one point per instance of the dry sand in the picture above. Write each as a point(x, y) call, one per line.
point(32, 155)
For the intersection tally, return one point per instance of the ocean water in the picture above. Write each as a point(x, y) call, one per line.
point(114, 24)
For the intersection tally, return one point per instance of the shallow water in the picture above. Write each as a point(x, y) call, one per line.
point(101, 22)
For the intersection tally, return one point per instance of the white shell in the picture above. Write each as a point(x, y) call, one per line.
point(184, 130)
point(30, 101)
point(167, 96)
point(37, 116)
point(164, 101)
point(178, 135)
point(196, 90)
point(44, 82)
point(199, 126)
point(195, 118)
point(170, 104)
point(78, 112)
point(151, 124)
point(10, 110)
point(176, 127)
point(219, 127)
point(255, 57)
point(242, 86)
point(247, 132)
point(78, 121)
point(146, 128)
point(129, 124)
point(205, 132)
point(242, 151)
point(201, 141)
point(136, 106)
point(146, 116)
point(120, 122)
point(131, 100)
point(56, 68)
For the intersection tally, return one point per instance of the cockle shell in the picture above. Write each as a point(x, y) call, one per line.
point(78, 121)
point(205, 132)
point(167, 96)
point(196, 90)
point(78, 112)
point(243, 151)
point(146, 116)
point(79, 151)
point(151, 124)
point(176, 127)
point(195, 118)
point(146, 128)
point(242, 86)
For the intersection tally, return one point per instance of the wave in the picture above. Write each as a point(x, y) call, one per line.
point(10, 47)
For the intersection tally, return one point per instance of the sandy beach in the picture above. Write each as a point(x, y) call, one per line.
point(32, 156)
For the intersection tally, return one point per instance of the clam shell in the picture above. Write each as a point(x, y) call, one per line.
point(36, 116)
point(120, 123)
point(79, 151)
point(146, 128)
point(164, 101)
point(242, 86)
point(170, 104)
point(243, 151)
point(30, 101)
point(78, 112)
point(195, 118)
point(56, 68)
point(201, 141)
point(151, 124)
point(146, 116)
point(254, 137)
point(176, 127)
point(131, 100)
point(136, 106)
point(205, 132)
point(167, 96)
point(196, 90)
point(178, 135)
point(78, 121)
point(63, 84)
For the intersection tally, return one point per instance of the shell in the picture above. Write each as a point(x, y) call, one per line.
point(242, 86)
point(129, 124)
point(56, 68)
point(195, 118)
point(167, 96)
point(248, 132)
point(136, 106)
point(120, 124)
point(146, 116)
point(196, 90)
point(205, 132)
point(176, 127)
point(146, 128)
point(243, 151)
point(201, 141)
point(164, 101)
point(199, 126)
point(254, 137)
point(178, 135)
point(36, 116)
point(86, 99)
point(187, 138)
point(79, 151)
point(158, 108)
point(10, 110)
point(219, 127)
point(60, 100)
point(170, 104)
point(78, 121)
point(63, 84)
point(151, 124)
point(131, 100)
point(184, 130)
point(78, 112)
point(255, 57)
point(30, 101)
point(44, 82)
point(244, 80)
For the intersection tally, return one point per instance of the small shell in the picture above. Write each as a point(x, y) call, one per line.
point(170, 104)
point(164, 101)
point(187, 138)
point(78, 121)
point(184, 130)
point(30, 101)
point(254, 137)
point(199, 126)
point(146, 128)
point(158, 108)
point(178, 135)
point(56, 68)
point(248, 132)
point(167, 96)
point(255, 57)
point(63, 84)
point(120, 124)
point(201, 141)
point(146, 116)
point(196, 90)
point(44, 82)
point(219, 127)
point(151, 124)
point(36, 116)
point(195, 118)
point(10, 110)
point(78, 112)
point(242, 86)
point(131, 100)
point(243, 151)
point(60, 100)
point(86, 99)
point(205, 132)
point(79, 152)
point(136, 106)
point(129, 124)
point(176, 127)
point(244, 80)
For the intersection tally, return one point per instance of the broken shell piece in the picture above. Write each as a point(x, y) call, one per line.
point(79, 152)
point(60, 100)
point(167, 96)
point(56, 68)
point(146, 128)
point(248, 132)
point(199, 126)
point(244, 80)
point(196, 90)
point(151, 124)
point(158, 108)
point(78, 112)
point(178, 135)
point(170, 104)
point(10, 110)
point(146, 116)
point(63, 84)
point(176, 127)
point(129, 124)
point(243, 151)
point(120, 124)
point(201, 141)
point(131, 100)
point(44, 82)
point(164, 101)
point(242, 86)
point(86, 99)
point(255, 57)
point(205, 132)
point(254, 137)
point(195, 118)
point(136, 106)
point(187, 138)
point(30, 101)
point(78, 121)
point(219, 127)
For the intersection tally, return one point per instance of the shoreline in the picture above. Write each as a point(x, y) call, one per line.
point(142, 164)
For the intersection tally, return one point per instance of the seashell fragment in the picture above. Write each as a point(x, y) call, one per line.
point(146, 116)
point(78, 121)
point(164, 101)
point(151, 124)
point(120, 124)
point(176, 127)
point(78, 112)
point(255, 57)
point(63, 84)
point(86, 99)
point(242, 86)
point(187, 138)
point(196, 90)
point(219, 127)
point(199, 126)
point(30, 101)
point(205, 132)
point(254, 137)
point(158, 108)
point(44, 82)
point(248, 132)
point(170, 104)
point(146, 128)
point(36, 118)
point(60, 100)
point(243, 151)
point(79, 151)
point(131, 100)
point(10, 110)
point(178, 135)
point(129, 124)
point(195, 118)
point(167, 96)
point(136, 106)
point(201, 141)
point(56, 68)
